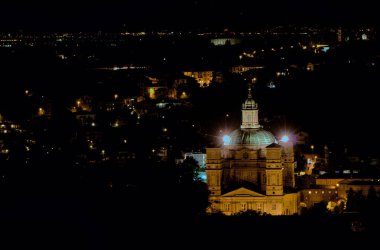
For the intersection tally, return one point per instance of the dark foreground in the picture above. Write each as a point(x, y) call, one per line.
point(67, 223)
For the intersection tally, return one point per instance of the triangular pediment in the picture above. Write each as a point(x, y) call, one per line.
point(242, 192)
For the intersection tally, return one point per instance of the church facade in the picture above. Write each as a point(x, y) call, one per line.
point(252, 170)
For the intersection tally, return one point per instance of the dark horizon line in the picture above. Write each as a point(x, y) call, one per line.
point(183, 28)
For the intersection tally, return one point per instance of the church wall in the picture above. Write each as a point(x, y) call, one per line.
point(273, 154)
point(214, 184)
point(288, 173)
point(240, 175)
point(214, 170)
point(268, 205)
point(291, 202)
point(274, 181)
point(282, 205)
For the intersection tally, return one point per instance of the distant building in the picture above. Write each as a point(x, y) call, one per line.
point(302, 138)
point(204, 78)
point(329, 183)
point(339, 35)
point(241, 69)
point(251, 171)
point(362, 185)
point(155, 92)
point(219, 78)
point(333, 191)
point(311, 159)
point(170, 86)
point(84, 103)
point(86, 118)
point(225, 41)
point(312, 196)
point(310, 67)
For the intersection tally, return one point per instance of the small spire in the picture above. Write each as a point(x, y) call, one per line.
point(250, 88)
point(250, 118)
point(249, 91)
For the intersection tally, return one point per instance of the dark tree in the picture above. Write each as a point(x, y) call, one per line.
point(318, 209)
point(350, 200)
point(339, 208)
point(305, 181)
point(188, 170)
point(249, 213)
point(193, 193)
point(372, 201)
point(359, 201)
point(372, 195)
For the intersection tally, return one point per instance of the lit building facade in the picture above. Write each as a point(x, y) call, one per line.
point(334, 191)
point(225, 41)
point(204, 78)
point(252, 170)
point(241, 69)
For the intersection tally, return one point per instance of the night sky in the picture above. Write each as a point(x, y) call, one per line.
point(112, 14)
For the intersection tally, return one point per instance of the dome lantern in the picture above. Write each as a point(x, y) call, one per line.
point(250, 116)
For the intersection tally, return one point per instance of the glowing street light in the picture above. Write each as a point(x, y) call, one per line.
point(285, 138)
point(226, 140)
point(41, 111)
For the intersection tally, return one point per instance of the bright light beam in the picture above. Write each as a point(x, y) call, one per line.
point(285, 138)
point(226, 140)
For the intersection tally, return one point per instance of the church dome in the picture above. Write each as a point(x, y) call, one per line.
point(251, 137)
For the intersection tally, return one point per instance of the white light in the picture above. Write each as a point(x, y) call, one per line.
point(285, 138)
point(226, 140)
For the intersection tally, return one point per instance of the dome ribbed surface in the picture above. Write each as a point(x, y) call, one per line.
point(252, 137)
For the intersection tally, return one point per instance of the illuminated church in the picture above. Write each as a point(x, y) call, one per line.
point(252, 170)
